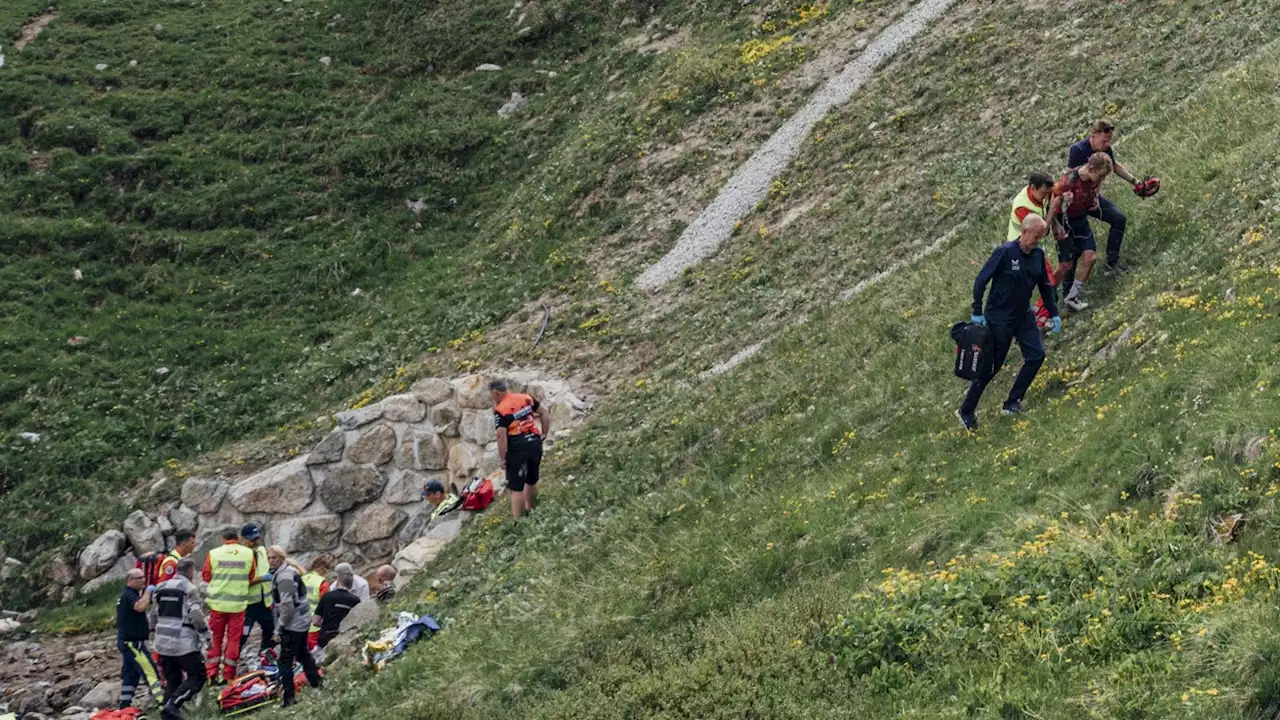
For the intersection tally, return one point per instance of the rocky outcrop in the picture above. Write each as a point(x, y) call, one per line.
point(202, 495)
point(283, 490)
point(373, 522)
point(115, 574)
point(356, 495)
point(329, 449)
point(143, 533)
point(373, 446)
point(320, 532)
point(101, 554)
point(347, 486)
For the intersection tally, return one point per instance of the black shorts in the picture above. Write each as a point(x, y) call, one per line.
point(1079, 239)
point(523, 458)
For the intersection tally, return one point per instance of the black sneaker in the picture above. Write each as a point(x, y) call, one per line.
point(968, 420)
point(1116, 268)
point(1013, 407)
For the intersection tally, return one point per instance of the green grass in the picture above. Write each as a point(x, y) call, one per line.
point(811, 536)
point(88, 613)
point(225, 197)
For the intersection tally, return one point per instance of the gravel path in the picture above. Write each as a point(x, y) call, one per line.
point(750, 184)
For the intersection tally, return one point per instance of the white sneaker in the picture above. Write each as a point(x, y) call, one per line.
point(1076, 304)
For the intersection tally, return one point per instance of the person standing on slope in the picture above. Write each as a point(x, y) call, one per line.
point(1034, 200)
point(1101, 135)
point(228, 569)
point(522, 426)
point(289, 598)
point(1013, 271)
point(259, 608)
point(181, 629)
point(1076, 195)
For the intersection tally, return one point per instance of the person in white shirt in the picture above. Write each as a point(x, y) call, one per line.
point(359, 586)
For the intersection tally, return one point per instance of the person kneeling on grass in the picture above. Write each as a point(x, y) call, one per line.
point(1013, 271)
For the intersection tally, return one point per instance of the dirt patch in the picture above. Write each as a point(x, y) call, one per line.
point(39, 163)
point(32, 29)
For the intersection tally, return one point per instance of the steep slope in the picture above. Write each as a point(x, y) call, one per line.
point(811, 535)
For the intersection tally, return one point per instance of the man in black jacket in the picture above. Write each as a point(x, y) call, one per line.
point(1013, 271)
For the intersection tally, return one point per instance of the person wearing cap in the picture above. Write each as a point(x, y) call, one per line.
point(259, 608)
point(523, 425)
point(228, 569)
point(441, 503)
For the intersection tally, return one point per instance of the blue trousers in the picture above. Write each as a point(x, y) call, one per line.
point(1108, 213)
point(138, 666)
point(1005, 331)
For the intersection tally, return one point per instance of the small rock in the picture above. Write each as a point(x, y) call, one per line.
point(77, 274)
point(326, 61)
point(9, 625)
point(68, 594)
point(357, 292)
point(509, 107)
point(132, 64)
point(104, 694)
point(100, 67)
point(162, 371)
point(77, 340)
point(158, 28)
point(85, 656)
point(415, 206)
point(489, 67)
point(101, 554)
point(30, 436)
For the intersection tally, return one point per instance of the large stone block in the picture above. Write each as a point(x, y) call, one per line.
point(143, 532)
point(101, 554)
point(431, 391)
point(346, 486)
point(209, 537)
point(477, 426)
point(403, 408)
point(423, 449)
point(284, 489)
point(114, 575)
point(445, 418)
point(464, 462)
point(308, 534)
point(352, 419)
point(378, 551)
point(373, 522)
point(203, 495)
point(489, 462)
point(473, 392)
point(405, 486)
point(374, 446)
point(184, 519)
point(329, 449)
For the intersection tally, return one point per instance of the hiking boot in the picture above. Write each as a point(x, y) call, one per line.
point(1013, 407)
point(968, 420)
point(1116, 268)
point(1076, 304)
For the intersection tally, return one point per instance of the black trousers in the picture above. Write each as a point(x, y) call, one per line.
point(293, 646)
point(183, 680)
point(266, 619)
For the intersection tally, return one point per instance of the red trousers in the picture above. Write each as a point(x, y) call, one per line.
point(230, 625)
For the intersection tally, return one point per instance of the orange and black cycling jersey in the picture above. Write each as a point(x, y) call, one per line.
point(518, 413)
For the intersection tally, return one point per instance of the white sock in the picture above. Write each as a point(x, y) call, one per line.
point(1077, 287)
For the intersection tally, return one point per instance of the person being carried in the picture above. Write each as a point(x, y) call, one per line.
point(1013, 271)
point(293, 617)
point(1099, 140)
point(523, 425)
point(181, 630)
point(132, 630)
point(1075, 195)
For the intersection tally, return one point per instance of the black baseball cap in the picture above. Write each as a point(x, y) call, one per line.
point(251, 531)
point(432, 486)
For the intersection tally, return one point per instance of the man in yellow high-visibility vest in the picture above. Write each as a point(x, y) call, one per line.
point(317, 583)
point(259, 608)
point(228, 570)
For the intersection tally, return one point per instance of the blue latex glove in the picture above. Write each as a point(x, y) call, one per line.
point(978, 320)
point(267, 578)
point(151, 589)
point(1057, 324)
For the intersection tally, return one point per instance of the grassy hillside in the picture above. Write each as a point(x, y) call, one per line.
point(226, 178)
point(812, 536)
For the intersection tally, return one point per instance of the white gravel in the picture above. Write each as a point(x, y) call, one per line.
point(750, 184)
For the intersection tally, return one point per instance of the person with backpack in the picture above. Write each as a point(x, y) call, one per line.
point(293, 618)
point(1014, 271)
point(228, 569)
point(184, 543)
point(181, 629)
point(523, 425)
point(132, 631)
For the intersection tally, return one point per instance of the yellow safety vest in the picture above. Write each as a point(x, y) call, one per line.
point(260, 592)
point(313, 581)
point(1021, 200)
point(229, 578)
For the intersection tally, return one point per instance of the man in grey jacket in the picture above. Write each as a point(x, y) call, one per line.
point(293, 620)
point(181, 629)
